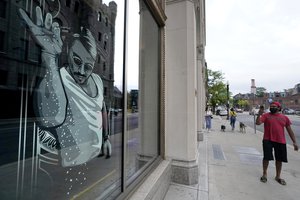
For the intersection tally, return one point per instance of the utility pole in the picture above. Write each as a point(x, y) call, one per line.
point(253, 92)
point(227, 89)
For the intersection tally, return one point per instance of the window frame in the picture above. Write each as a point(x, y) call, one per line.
point(157, 12)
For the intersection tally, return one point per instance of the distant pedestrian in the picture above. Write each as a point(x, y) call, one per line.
point(232, 115)
point(274, 138)
point(208, 116)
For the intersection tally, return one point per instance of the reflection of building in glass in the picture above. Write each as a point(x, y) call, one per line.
point(20, 70)
point(118, 98)
point(134, 98)
point(20, 56)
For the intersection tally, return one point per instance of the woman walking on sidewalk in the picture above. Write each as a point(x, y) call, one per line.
point(208, 116)
point(274, 138)
point(232, 115)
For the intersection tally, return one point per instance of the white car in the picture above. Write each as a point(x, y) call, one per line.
point(223, 113)
point(254, 111)
point(239, 110)
point(289, 111)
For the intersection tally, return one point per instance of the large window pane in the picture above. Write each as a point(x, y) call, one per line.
point(143, 89)
point(61, 118)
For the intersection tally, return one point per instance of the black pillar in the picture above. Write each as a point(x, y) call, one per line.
point(227, 87)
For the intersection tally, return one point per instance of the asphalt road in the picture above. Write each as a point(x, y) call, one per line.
point(249, 121)
point(99, 168)
point(9, 136)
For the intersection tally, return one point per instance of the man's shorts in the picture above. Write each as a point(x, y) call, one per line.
point(279, 149)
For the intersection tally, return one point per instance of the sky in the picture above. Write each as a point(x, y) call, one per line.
point(133, 43)
point(254, 39)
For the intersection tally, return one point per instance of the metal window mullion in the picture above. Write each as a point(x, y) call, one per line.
point(124, 130)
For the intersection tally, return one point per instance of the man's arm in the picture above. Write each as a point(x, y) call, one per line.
point(50, 99)
point(258, 122)
point(260, 112)
point(50, 96)
point(292, 136)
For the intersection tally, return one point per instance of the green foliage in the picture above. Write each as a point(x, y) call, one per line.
point(260, 91)
point(242, 103)
point(217, 89)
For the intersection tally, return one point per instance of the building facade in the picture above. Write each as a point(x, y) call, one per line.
point(99, 95)
point(289, 98)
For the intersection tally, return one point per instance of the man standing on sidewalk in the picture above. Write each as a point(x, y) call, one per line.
point(274, 138)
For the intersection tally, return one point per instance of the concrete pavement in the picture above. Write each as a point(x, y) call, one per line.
point(230, 168)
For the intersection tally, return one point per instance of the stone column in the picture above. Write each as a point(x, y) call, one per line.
point(181, 91)
point(201, 67)
point(200, 100)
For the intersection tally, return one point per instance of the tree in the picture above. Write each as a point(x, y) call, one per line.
point(260, 91)
point(243, 103)
point(217, 89)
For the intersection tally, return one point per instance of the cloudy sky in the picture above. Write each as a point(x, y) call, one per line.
point(254, 39)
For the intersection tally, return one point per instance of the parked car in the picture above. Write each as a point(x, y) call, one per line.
point(254, 111)
point(113, 111)
point(239, 110)
point(288, 111)
point(219, 108)
point(223, 113)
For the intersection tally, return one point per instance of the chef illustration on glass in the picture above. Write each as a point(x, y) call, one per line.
point(69, 100)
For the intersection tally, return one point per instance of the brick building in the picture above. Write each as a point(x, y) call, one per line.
point(289, 98)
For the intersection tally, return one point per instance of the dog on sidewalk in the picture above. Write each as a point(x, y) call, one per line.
point(223, 127)
point(242, 127)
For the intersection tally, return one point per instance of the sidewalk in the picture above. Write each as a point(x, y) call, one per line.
point(230, 168)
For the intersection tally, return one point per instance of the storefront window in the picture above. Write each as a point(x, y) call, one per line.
point(60, 130)
point(143, 90)
point(66, 130)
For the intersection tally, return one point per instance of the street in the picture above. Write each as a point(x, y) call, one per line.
point(117, 121)
point(249, 121)
point(100, 173)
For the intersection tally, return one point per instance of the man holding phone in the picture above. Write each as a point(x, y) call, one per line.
point(274, 138)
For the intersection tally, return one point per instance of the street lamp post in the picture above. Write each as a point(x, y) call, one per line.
point(227, 89)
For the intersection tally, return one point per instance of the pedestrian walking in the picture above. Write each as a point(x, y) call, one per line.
point(232, 115)
point(274, 138)
point(208, 117)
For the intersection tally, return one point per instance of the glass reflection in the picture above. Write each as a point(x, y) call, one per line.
point(143, 90)
point(61, 138)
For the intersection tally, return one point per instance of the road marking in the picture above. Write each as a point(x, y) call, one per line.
point(93, 185)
